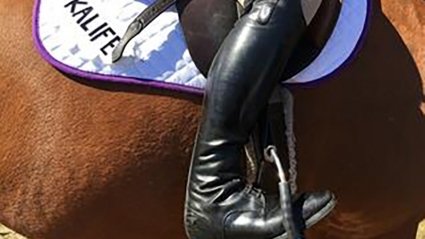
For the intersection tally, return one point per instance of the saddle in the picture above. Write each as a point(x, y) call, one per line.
point(205, 37)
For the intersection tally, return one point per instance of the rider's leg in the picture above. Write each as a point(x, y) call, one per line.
point(247, 67)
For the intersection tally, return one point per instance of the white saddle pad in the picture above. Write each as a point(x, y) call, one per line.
point(78, 36)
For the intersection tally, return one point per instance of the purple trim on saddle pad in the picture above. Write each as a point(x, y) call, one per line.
point(160, 84)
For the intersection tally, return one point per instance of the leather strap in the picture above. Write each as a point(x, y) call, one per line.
point(139, 23)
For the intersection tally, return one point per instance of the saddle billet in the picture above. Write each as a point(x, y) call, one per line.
point(139, 23)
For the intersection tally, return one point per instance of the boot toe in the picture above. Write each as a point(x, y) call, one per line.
point(313, 206)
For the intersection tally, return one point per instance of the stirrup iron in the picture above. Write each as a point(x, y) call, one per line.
point(270, 155)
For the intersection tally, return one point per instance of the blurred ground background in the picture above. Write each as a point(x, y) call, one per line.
point(5, 233)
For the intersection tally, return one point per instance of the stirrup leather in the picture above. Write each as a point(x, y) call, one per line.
point(139, 23)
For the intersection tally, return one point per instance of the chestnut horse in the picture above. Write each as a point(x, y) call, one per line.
point(92, 160)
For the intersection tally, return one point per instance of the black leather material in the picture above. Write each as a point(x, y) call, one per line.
point(219, 205)
point(265, 11)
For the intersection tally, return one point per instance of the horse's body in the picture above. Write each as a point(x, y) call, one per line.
point(85, 160)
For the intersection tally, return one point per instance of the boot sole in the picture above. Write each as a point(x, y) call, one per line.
point(315, 218)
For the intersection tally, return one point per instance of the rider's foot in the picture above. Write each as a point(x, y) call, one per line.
point(249, 214)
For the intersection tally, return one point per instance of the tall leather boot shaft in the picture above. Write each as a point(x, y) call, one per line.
point(243, 74)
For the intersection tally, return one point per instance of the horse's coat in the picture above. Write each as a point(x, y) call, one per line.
point(111, 161)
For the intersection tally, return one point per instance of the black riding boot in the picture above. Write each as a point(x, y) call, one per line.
point(219, 204)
